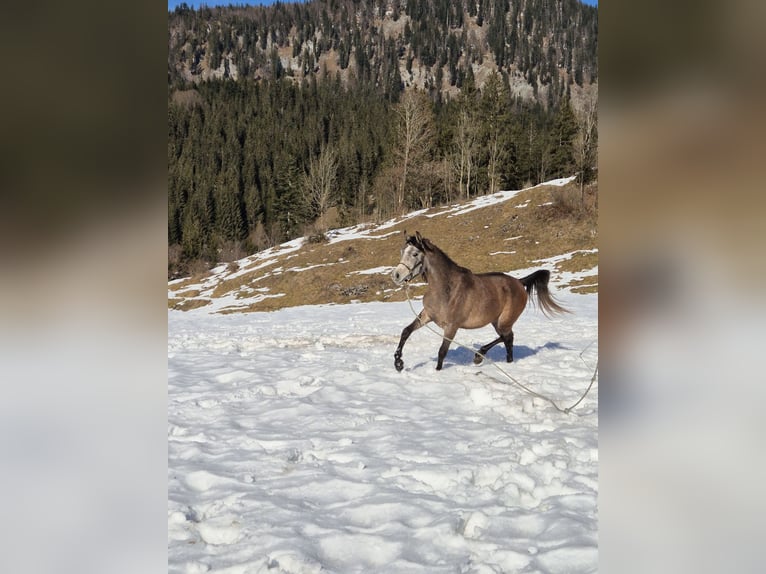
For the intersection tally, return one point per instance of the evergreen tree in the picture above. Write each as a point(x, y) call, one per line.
point(562, 140)
point(494, 107)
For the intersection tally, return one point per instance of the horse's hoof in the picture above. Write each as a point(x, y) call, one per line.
point(477, 359)
point(398, 364)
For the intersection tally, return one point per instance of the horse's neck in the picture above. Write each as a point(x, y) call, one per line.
point(439, 267)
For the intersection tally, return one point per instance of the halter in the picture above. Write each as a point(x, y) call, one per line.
point(412, 273)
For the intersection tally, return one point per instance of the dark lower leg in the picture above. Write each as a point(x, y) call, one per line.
point(448, 336)
point(406, 332)
point(479, 356)
point(508, 340)
point(442, 353)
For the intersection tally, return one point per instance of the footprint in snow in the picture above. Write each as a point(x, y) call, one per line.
point(220, 530)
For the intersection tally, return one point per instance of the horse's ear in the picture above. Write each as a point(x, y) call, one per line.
point(423, 243)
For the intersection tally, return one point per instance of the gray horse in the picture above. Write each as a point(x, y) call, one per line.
point(457, 298)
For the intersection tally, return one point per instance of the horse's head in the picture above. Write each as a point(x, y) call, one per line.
point(413, 258)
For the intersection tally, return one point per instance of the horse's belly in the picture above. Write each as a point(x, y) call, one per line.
point(474, 316)
point(464, 314)
point(477, 321)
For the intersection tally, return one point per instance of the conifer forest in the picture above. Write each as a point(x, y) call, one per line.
point(287, 120)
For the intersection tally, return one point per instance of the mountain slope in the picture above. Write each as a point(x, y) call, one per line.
point(544, 47)
point(511, 231)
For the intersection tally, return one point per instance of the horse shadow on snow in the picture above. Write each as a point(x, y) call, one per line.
point(462, 356)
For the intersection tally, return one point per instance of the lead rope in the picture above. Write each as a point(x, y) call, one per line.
point(526, 389)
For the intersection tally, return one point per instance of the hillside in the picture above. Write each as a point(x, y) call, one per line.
point(510, 231)
point(279, 114)
point(544, 48)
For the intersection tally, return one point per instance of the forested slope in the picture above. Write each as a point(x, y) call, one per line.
point(287, 119)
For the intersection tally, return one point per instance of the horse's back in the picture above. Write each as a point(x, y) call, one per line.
point(506, 283)
point(488, 298)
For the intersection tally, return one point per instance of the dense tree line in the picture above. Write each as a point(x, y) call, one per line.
point(551, 44)
point(251, 163)
point(277, 154)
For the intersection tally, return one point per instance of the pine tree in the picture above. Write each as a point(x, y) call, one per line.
point(562, 139)
point(290, 206)
point(494, 107)
point(230, 222)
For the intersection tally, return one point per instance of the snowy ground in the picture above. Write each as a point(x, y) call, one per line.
point(294, 445)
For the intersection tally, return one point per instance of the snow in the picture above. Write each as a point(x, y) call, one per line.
point(383, 270)
point(372, 232)
point(294, 446)
point(499, 197)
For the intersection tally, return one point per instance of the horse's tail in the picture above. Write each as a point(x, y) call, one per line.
point(538, 282)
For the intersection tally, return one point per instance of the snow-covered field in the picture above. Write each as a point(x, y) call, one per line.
point(294, 445)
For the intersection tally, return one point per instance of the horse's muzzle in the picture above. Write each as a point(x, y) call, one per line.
point(397, 276)
point(402, 273)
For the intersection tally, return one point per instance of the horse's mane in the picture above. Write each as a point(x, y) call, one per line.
point(439, 252)
point(426, 245)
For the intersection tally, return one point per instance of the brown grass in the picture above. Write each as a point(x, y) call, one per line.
point(538, 231)
point(585, 285)
point(189, 293)
point(187, 304)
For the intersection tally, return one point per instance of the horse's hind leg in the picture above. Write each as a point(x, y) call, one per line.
point(508, 340)
point(506, 321)
point(421, 320)
point(481, 353)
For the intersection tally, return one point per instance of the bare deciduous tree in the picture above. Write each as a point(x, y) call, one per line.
point(585, 142)
point(385, 189)
point(415, 132)
point(320, 184)
point(466, 148)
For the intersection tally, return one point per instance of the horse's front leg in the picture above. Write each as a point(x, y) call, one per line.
point(449, 335)
point(421, 320)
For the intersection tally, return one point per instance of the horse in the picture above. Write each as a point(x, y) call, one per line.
point(457, 298)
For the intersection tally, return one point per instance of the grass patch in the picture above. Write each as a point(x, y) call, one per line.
point(585, 285)
point(579, 262)
point(189, 293)
point(183, 284)
point(187, 304)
